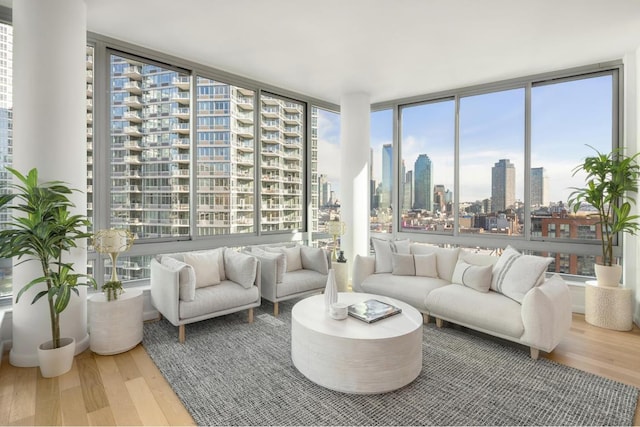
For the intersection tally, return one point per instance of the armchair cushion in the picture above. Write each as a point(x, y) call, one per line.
point(205, 265)
point(240, 268)
point(187, 277)
point(314, 259)
point(294, 262)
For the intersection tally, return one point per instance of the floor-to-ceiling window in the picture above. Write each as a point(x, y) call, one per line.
point(381, 171)
point(426, 176)
point(509, 154)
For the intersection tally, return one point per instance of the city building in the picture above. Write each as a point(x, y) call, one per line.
point(423, 183)
point(503, 185)
point(387, 173)
point(539, 187)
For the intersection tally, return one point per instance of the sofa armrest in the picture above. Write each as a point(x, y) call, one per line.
point(546, 314)
point(363, 267)
point(165, 291)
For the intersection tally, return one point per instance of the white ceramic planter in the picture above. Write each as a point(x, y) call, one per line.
point(56, 361)
point(608, 275)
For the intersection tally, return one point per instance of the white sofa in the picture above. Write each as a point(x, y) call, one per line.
point(189, 287)
point(507, 296)
point(290, 271)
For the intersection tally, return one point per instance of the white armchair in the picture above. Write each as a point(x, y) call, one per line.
point(192, 286)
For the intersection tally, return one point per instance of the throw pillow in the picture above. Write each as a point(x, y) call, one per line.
point(205, 265)
point(279, 258)
point(403, 265)
point(186, 277)
point(294, 262)
point(314, 259)
point(401, 246)
point(426, 265)
point(476, 277)
point(383, 250)
point(515, 274)
point(445, 258)
point(240, 268)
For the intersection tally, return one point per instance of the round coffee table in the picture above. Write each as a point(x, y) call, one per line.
point(353, 356)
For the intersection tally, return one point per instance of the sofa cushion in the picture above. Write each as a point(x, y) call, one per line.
point(403, 265)
point(301, 281)
point(426, 265)
point(490, 312)
point(186, 277)
point(314, 259)
point(410, 289)
point(227, 295)
point(241, 268)
point(279, 257)
point(473, 276)
point(445, 258)
point(205, 265)
point(515, 274)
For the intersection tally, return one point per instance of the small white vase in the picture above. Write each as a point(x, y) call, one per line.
point(331, 290)
point(56, 361)
point(608, 275)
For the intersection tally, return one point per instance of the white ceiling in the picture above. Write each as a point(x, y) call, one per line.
point(387, 48)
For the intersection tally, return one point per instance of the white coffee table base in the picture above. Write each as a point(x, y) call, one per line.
point(352, 356)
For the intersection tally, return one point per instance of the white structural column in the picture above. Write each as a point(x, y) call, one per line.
point(355, 118)
point(49, 133)
point(631, 244)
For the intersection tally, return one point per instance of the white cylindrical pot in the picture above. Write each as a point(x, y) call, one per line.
point(56, 361)
point(608, 275)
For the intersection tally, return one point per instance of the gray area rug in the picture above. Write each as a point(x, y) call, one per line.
point(230, 372)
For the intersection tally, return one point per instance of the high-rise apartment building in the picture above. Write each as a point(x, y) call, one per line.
point(387, 172)
point(503, 185)
point(423, 183)
point(324, 188)
point(152, 156)
point(407, 194)
point(6, 108)
point(539, 187)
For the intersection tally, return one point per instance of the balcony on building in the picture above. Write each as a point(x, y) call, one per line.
point(182, 82)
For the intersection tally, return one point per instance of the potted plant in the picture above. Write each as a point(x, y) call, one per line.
point(611, 184)
point(43, 230)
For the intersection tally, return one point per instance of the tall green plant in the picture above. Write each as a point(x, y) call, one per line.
point(611, 183)
point(43, 229)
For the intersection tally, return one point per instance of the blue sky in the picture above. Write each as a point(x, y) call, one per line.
point(565, 118)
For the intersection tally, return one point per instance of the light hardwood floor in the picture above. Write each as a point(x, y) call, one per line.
point(128, 389)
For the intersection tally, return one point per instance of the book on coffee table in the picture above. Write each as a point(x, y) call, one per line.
point(372, 310)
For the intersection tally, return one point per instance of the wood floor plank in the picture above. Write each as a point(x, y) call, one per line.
point(93, 392)
point(122, 407)
point(70, 379)
point(23, 404)
point(172, 407)
point(7, 377)
point(101, 417)
point(27, 421)
point(47, 402)
point(72, 407)
point(127, 367)
point(146, 405)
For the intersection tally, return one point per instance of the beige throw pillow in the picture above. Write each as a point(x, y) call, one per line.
point(476, 277)
point(206, 267)
point(426, 265)
point(403, 265)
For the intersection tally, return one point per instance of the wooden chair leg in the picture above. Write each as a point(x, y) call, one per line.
point(251, 315)
point(439, 322)
point(181, 334)
point(425, 318)
point(535, 353)
point(276, 309)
